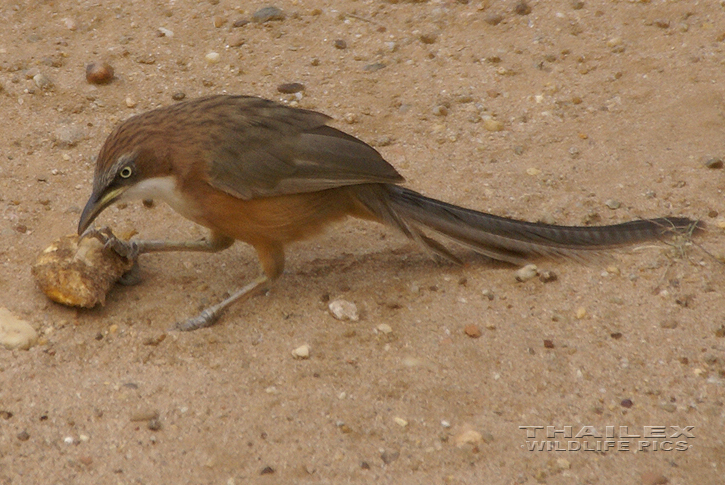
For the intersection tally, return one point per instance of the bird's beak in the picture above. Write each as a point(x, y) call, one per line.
point(96, 204)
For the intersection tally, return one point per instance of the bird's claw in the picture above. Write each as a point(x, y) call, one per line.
point(125, 249)
point(206, 318)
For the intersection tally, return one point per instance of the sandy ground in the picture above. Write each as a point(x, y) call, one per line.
point(601, 104)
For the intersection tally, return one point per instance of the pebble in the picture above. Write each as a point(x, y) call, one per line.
point(522, 8)
point(212, 57)
point(290, 88)
point(178, 96)
point(384, 328)
point(440, 110)
point(526, 273)
point(429, 38)
point(492, 125)
point(145, 415)
point(389, 457)
point(164, 32)
point(669, 324)
point(467, 437)
point(130, 102)
point(563, 464)
point(668, 406)
point(16, 333)
point(472, 330)
point(302, 352)
point(494, 19)
point(547, 276)
point(400, 422)
point(344, 310)
point(236, 39)
point(713, 162)
point(340, 44)
point(268, 14)
point(613, 204)
point(654, 478)
point(581, 312)
point(99, 73)
point(23, 436)
point(43, 82)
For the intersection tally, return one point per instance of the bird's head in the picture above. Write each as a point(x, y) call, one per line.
point(125, 165)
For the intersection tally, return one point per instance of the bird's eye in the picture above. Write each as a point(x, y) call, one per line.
point(125, 172)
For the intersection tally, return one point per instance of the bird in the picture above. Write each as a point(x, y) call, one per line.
point(268, 174)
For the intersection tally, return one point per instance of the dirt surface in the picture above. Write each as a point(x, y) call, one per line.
point(600, 103)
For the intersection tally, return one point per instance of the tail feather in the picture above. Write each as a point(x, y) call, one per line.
point(502, 238)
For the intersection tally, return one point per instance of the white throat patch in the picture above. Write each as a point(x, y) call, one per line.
point(162, 188)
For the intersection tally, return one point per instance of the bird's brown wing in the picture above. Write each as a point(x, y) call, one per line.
point(265, 149)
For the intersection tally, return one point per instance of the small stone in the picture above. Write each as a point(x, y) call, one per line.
point(400, 422)
point(178, 96)
point(472, 330)
point(526, 273)
point(268, 470)
point(23, 436)
point(130, 102)
point(16, 333)
point(164, 32)
point(240, 23)
point(467, 437)
point(302, 352)
point(344, 310)
point(522, 8)
point(669, 324)
point(613, 204)
point(614, 42)
point(144, 415)
point(563, 464)
point(429, 38)
point(340, 44)
point(268, 14)
point(533, 171)
point(488, 294)
point(218, 21)
point(662, 23)
point(154, 424)
point(384, 328)
point(99, 73)
point(547, 276)
point(626, 403)
point(492, 125)
point(713, 162)
point(580, 313)
point(668, 406)
point(236, 39)
point(290, 88)
point(440, 110)
point(493, 19)
point(212, 57)
point(43, 82)
point(375, 66)
point(549, 344)
point(389, 457)
point(654, 478)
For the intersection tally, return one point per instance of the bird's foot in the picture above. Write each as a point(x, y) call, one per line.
point(126, 249)
point(132, 277)
point(206, 318)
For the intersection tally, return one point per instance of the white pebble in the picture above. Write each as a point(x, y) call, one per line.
point(212, 57)
point(301, 352)
point(400, 422)
point(526, 273)
point(384, 328)
point(16, 333)
point(68, 440)
point(344, 310)
point(445, 424)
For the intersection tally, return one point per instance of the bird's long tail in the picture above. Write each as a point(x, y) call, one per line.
point(501, 238)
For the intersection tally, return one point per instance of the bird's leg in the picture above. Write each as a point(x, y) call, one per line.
point(271, 259)
point(133, 249)
point(210, 315)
